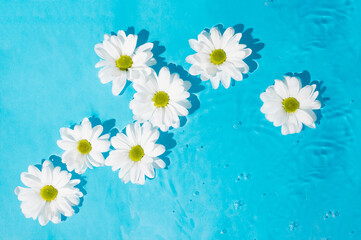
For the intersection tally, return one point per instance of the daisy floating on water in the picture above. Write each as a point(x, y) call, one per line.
point(289, 105)
point(122, 60)
point(218, 58)
point(161, 99)
point(51, 193)
point(136, 153)
point(83, 146)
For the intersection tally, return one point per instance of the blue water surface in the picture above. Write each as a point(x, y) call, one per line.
point(231, 174)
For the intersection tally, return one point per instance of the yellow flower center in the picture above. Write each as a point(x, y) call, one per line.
point(136, 153)
point(124, 62)
point(290, 104)
point(218, 57)
point(84, 147)
point(48, 193)
point(160, 99)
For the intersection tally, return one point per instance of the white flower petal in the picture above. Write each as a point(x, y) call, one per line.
point(121, 141)
point(227, 35)
point(118, 84)
point(215, 83)
point(281, 89)
point(271, 107)
point(216, 37)
point(96, 159)
point(129, 44)
point(294, 85)
point(226, 80)
point(100, 145)
point(159, 163)
point(148, 170)
point(157, 151)
point(101, 52)
point(307, 117)
point(280, 117)
point(304, 93)
point(67, 145)
point(67, 134)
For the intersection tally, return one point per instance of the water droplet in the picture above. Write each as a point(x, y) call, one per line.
point(223, 231)
point(269, 2)
point(243, 176)
point(237, 204)
point(196, 193)
point(293, 226)
point(187, 145)
point(237, 125)
point(331, 214)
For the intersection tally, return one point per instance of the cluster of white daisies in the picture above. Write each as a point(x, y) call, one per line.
point(160, 100)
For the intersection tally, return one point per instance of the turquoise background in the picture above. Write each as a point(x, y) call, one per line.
point(231, 174)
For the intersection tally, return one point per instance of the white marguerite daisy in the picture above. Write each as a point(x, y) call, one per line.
point(219, 57)
point(289, 105)
point(136, 154)
point(122, 60)
point(161, 99)
point(51, 193)
point(83, 146)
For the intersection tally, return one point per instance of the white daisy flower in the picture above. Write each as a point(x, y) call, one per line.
point(122, 60)
point(136, 153)
point(51, 193)
point(218, 58)
point(83, 146)
point(289, 105)
point(161, 99)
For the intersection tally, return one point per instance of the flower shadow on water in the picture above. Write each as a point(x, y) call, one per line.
point(195, 88)
point(253, 43)
point(305, 78)
point(56, 160)
point(167, 140)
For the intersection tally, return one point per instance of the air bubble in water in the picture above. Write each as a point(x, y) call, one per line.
point(237, 125)
point(331, 214)
point(293, 226)
point(243, 176)
point(269, 2)
point(237, 204)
